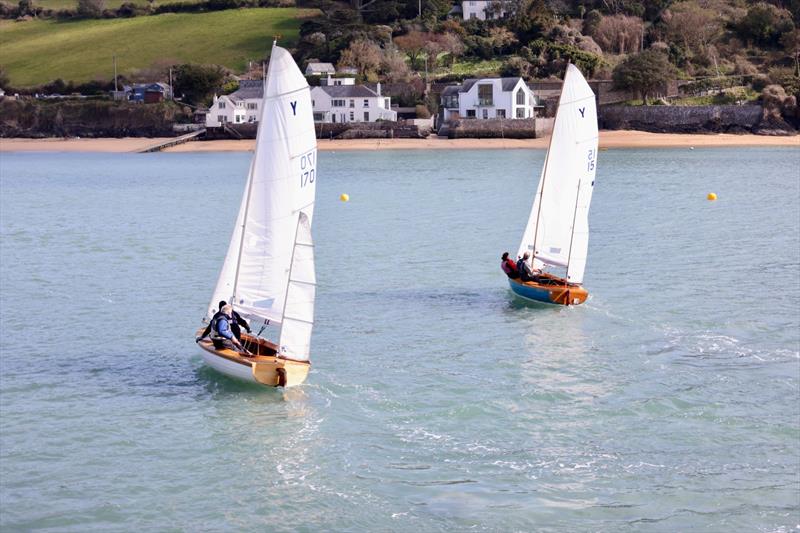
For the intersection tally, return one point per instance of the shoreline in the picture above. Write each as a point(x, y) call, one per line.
point(608, 139)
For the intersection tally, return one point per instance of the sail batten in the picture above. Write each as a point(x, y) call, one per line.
point(557, 229)
point(279, 193)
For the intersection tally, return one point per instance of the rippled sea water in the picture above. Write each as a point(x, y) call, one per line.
point(669, 402)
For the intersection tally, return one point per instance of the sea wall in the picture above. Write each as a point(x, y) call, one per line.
point(493, 128)
point(682, 119)
point(86, 118)
point(347, 130)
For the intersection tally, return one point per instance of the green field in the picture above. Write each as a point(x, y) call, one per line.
point(37, 51)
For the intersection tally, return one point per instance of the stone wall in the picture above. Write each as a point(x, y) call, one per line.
point(86, 118)
point(682, 119)
point(493, 128)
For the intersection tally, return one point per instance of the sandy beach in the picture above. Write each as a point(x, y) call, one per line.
point(608, 139)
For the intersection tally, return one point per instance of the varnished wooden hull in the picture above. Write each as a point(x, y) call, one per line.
point(550, 290)
point(263, 368)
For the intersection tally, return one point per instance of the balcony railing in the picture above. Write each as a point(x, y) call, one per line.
point(485, 102)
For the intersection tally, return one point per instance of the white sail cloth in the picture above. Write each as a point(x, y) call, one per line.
point(557, 232)
point(280, 191)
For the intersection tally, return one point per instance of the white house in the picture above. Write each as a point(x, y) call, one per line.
point(320, 69)
point(488, 98)
point(239, 107)
point(350, 103)
point(477, 9)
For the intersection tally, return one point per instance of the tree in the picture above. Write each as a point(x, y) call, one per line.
point(643, 73)
point(197, 82)
point(362, 54)
point(765, 24)
point(695, 26)
point(619, 33)
point(413, 44)
point(91, 8)
point(452, 44)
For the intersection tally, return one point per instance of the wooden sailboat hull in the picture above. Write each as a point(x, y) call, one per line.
point(265, 368)
point(552, 290)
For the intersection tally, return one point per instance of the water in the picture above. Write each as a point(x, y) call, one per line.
point(669, 402)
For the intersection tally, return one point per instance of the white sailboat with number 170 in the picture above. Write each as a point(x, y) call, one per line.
point(557, 233)
point(268, 274)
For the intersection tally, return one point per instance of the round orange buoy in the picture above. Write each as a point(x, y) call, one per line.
point(711, 196)
point(344, 197)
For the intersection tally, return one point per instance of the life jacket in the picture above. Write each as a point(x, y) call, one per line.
point(215, 324)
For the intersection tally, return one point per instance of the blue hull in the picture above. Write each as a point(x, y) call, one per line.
point(530, 293)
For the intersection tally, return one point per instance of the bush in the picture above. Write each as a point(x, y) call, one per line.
point(422, 111)
point(90, 8)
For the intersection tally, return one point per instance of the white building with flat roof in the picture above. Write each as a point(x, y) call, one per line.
point(478, 9)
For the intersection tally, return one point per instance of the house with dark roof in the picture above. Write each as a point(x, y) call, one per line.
point(148, 93)
point(350, 103)
point(482, 9)
point(240, 107)
point(488, 98)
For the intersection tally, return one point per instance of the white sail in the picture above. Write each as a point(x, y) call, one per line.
point(298, 315)
point(558, 226)
point(280, 189)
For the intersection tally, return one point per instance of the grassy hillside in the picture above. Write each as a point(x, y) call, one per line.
point(38, 51)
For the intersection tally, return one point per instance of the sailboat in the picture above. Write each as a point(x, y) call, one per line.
point(268, 275)
point(557, 233)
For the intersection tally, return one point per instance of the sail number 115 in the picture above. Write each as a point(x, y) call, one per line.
point(307, 170)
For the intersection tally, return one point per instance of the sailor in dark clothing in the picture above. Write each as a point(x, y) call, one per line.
point(236, 324)
point(525, 272)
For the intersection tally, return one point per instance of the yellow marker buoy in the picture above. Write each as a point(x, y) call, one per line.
point(344, 197)
point(711, 196)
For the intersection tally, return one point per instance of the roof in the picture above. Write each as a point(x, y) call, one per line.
point(348, 91)
point(451, 90)
point(508, 84)
point(321, 67)
point(248, 89)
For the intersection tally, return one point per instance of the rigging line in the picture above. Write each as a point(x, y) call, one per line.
point(281, 95)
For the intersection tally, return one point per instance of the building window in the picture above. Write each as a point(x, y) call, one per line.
point(319, 117)
point(221, 105)
point(252, 105)
point(222, 119)
point(484, 94)
point(520, 112)
point(485, 113)
point(473, 16)
point(521, 97)
point(366, 102)
point(470, 113)
point(313, 103)
point(352, 103)
point(352, 116)
point(501, 113)
point(366, 116)
point(337, 103)
point(386, 103)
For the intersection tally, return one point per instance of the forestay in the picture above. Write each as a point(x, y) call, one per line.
point(558, 226)
point(277, 208)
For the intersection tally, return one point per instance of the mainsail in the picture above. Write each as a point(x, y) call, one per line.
point(271, 252)
point(557, 233)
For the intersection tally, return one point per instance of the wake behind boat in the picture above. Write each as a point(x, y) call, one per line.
point(268, 274)
point(557, 233)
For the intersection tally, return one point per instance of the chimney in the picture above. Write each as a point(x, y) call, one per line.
point(329, 80)
point(378, 90)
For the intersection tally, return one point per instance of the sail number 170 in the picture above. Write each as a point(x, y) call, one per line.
point(307, 170)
